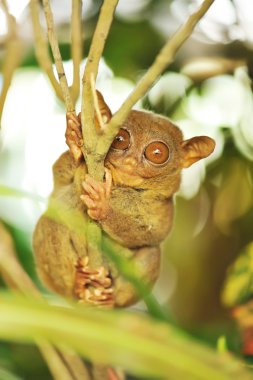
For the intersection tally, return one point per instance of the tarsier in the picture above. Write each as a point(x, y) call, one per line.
point(134, 205)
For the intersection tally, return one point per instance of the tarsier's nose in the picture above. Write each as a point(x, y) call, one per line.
point(130, 161)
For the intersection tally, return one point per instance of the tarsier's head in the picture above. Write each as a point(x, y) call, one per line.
point(149, 151)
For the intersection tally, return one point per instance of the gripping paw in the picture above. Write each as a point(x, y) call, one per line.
point(96, 196)
point(73, 135)
point(93, 286)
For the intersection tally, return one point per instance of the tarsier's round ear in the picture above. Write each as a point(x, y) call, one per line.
point(195, 149)
point(103, 107)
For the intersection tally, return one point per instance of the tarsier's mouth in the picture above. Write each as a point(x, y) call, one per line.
point(126, 169)
point(124, 175)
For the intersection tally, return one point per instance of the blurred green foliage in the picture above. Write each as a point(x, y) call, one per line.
point(122, 338)
point(211, 229)
point(125, 46)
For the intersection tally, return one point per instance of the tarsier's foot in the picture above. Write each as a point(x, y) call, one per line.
point(73, 135)
point(93, 286)
point(97, 195)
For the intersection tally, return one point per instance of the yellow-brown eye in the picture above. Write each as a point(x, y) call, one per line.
point(157, 152)
point(122, 140)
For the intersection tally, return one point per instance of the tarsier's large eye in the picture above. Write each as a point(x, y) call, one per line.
point(157, 152)
point(122, 140)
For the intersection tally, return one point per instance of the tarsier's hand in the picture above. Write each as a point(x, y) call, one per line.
point(73, 135)
point(96, 196)
point(93, 286)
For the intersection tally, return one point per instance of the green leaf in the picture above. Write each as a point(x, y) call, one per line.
point(126, 44)
point(136, 343)
point(238, 287)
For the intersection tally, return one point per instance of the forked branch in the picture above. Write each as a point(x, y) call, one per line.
point(163, 59)
point(97, 145)
point(91, 70)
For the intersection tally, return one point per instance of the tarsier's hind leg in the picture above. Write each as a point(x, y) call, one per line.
point(95, 286)
point(56, 255)
point(63, 265)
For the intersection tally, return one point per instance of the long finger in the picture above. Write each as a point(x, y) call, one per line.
point(90, 190)
point(97, 186)
point(88, 201)
point(75, 127)
point(108, 182)
point(72, 116)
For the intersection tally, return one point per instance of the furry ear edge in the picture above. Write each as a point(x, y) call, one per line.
point(195, 149)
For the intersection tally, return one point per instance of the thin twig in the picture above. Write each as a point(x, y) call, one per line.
point(12, 57)
point(57, 57)
point(76, 46)
point(64, 366)
point(41, 48)
point(163, 59)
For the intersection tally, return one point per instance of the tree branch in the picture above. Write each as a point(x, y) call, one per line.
point(163, 59)
point(91, 69)
point(90, 135)
point(57, 57)
point(76, 46)
point(41, 48)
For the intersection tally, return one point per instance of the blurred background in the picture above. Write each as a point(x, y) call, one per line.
point(206, 91)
